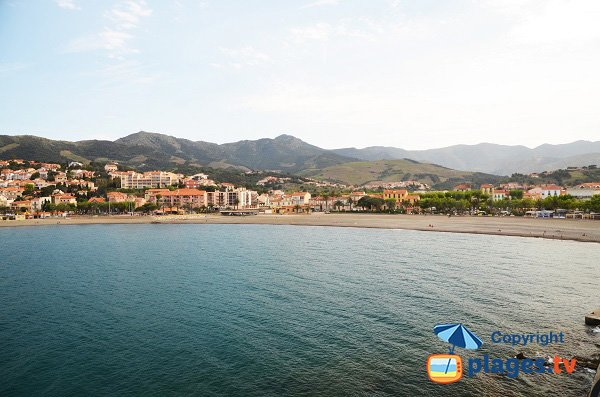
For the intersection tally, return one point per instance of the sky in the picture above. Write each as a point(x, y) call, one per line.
point(336, 73)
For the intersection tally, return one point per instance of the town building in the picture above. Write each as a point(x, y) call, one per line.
point(585, 191)
point(152, 179)
point(64, 199)
point(111, 167)
point(486, 188)
point(463, 187)
point(11, 193)
point(37, 204)
point(399, 195)
point(119, 197)
point(184, 199)
point(500, 194)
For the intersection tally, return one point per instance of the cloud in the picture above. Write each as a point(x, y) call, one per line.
point(128, 14)
point(115, 39)
point(245, 56)
point(12, 67)
point(558, 21)
point(320, 3)
point(318, 32)
point(110, 40)
point(68, 4)
point(354, 28)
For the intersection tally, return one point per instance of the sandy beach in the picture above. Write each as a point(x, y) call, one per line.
point(560, 229)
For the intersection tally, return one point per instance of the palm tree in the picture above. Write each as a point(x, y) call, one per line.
point(338, 204)
point(325, 197)
point(350, 202)
point(297, 208)
point(158, 197)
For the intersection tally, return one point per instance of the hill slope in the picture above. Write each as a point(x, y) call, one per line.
point(491, 158)
point(147, 150)
point(363, 172)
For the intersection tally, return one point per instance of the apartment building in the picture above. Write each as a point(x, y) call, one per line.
point(152, 179)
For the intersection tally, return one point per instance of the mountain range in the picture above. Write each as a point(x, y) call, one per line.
point(490, 158)
point(285, 153)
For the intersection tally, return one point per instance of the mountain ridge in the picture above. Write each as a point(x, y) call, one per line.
point(490, 157)
point(290, 154)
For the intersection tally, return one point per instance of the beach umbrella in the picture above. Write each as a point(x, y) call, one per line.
point(457, 335)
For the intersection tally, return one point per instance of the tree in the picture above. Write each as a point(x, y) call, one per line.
point(350, 202)
point(516, 194)
point(297, 208)
point(390, 204)
point(338, 204)
point(29, 189)
point(325, 198)
point(364, 202)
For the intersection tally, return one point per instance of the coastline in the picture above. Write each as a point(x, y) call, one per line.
point(558, 229)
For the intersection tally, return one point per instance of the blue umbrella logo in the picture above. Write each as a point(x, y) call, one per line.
point(457, 335)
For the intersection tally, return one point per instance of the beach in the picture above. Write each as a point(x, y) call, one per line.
point(560, 229)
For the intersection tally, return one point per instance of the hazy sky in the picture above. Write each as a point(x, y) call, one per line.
point(414, 74)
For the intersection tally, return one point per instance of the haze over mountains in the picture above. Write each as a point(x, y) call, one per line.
point(490, 158)
point(289, 154)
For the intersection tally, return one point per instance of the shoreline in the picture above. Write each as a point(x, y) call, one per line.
point(558, 229)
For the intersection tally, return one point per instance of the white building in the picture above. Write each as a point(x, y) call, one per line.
point(38, 203)
point(546, 191)
point(111, 167)
point(152, 179)
point(585, 190)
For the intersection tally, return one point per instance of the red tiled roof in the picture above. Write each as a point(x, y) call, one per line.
point(185, 192)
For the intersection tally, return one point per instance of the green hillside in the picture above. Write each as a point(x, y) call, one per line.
point(363, 172)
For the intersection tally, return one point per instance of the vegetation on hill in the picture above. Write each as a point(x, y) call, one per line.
point(145, 150)
point(364, 172)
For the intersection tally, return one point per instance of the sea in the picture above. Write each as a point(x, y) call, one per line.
point(261, 310)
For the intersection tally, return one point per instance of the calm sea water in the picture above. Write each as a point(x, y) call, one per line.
point(249, 310)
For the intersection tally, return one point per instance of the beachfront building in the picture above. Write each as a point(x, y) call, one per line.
point(291, 203)
point(152, 179)
point(184, 199)
point(551, 191)
point(399, 195)
point(500, 194)
point(21, 206)
point(153, 195)
point(320, 203)
point(486, 188)
point(547, 191)
point(38, 203)
point(263, 200)
point(64, 199)
point(585, 191)
point(118, 197)
point(233, 197)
